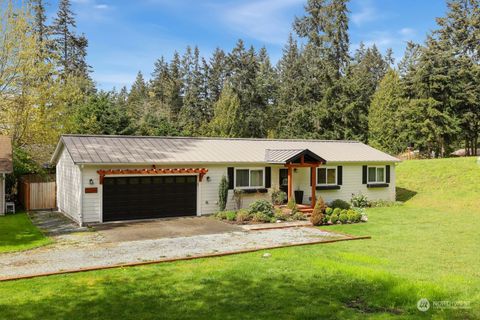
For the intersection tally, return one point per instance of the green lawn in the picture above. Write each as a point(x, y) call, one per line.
point(428, 247)
point(18, 233)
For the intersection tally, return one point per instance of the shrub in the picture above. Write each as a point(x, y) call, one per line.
point(260, 217)
point(243, 215)
point(317, 214)
point(262, 206)
point(320, 204)
point(221, 215)
point(343, 217)
point(351, 214)
point(291, 204)
point(222, 193)
point(326, 218)
point(337, 211)
point(344, 211)
point(231, 215)
point(278, 197)
point(273, 220)
point(359, 201)
point(358, 217)
point(339, 203)
point(334, 218)
point(299, 216)
point(328, 211)
point(280, 215)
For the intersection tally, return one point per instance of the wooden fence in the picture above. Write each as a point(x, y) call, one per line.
point(37, 193)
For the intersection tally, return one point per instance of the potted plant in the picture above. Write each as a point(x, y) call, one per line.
point(298, 196)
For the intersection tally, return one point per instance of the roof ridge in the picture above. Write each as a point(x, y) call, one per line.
point(207, 138)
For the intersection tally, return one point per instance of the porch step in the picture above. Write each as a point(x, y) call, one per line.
point(306, 210)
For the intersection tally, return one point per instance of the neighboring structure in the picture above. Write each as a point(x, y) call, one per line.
point(6, 166)
point(108, 178)
point(463, 152)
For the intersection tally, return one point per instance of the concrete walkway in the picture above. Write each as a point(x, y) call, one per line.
point(74, 255)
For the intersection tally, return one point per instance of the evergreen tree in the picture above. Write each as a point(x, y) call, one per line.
point(326, 28)
point(225, 122)
point(137, 101)
point(39, 27)
point(63, 30)
point(384, 119)
point(363, 76)
point(72, 49)
point(216, 74)
point(101, 115)
point(191, 115)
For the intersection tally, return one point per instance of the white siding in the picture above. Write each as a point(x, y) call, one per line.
point(351, 184)
point(2, 193)
point(208, 190)
point(91, 202)
point(68, 187)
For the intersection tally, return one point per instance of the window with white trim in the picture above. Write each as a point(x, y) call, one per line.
point(326, 176)
point(376, 174)
point(249, 178)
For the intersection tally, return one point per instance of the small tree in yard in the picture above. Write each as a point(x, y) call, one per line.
point(222, 193)
point(317, 215)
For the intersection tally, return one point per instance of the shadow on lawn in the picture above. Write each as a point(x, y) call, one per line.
point(146, 293)
point(404, 194)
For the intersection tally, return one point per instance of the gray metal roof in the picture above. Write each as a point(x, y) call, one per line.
point(287, 155)
point(86, 149)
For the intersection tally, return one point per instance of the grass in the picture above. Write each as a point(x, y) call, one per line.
point(17, 233)
point(426, 248)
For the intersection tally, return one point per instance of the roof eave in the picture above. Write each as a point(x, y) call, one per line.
point(57, 151)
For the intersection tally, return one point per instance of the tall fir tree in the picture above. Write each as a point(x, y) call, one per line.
point(385, 130)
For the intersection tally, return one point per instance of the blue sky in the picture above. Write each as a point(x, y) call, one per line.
point(126, 36)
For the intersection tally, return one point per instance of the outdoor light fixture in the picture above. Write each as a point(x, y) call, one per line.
point(208, 178)
point(91, 182)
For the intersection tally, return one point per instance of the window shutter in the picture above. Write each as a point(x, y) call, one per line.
point(387, 174)
point(339, 175)
point(230, 172)
point(268, 177)
point(364, 175)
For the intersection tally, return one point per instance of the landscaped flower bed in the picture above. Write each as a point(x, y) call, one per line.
point(261, 211)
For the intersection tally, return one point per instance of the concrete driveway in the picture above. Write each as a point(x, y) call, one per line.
point(162, 228)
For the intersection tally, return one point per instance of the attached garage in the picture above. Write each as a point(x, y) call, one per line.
point(129, 198)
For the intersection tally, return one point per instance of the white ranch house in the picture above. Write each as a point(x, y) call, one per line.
point(110, 178)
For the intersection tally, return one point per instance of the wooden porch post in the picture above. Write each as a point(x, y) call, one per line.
point(314, 185)
point(290, 183)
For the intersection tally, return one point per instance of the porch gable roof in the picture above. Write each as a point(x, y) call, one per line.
point(283, 156)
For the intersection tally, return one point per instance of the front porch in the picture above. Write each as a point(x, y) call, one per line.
point(296, 161)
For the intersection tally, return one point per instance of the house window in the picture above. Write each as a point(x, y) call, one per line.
point(376, 174)
point(326, 176)
point(249, 178)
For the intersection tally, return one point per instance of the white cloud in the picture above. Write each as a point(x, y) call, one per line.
point(115, 79)
point(407, 32)
point(265, 20)
point(366, 13)
point(101, 6)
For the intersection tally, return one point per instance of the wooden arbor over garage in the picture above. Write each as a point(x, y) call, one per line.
point(297, 158)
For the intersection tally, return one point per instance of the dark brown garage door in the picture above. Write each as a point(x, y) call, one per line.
point(129, 198)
